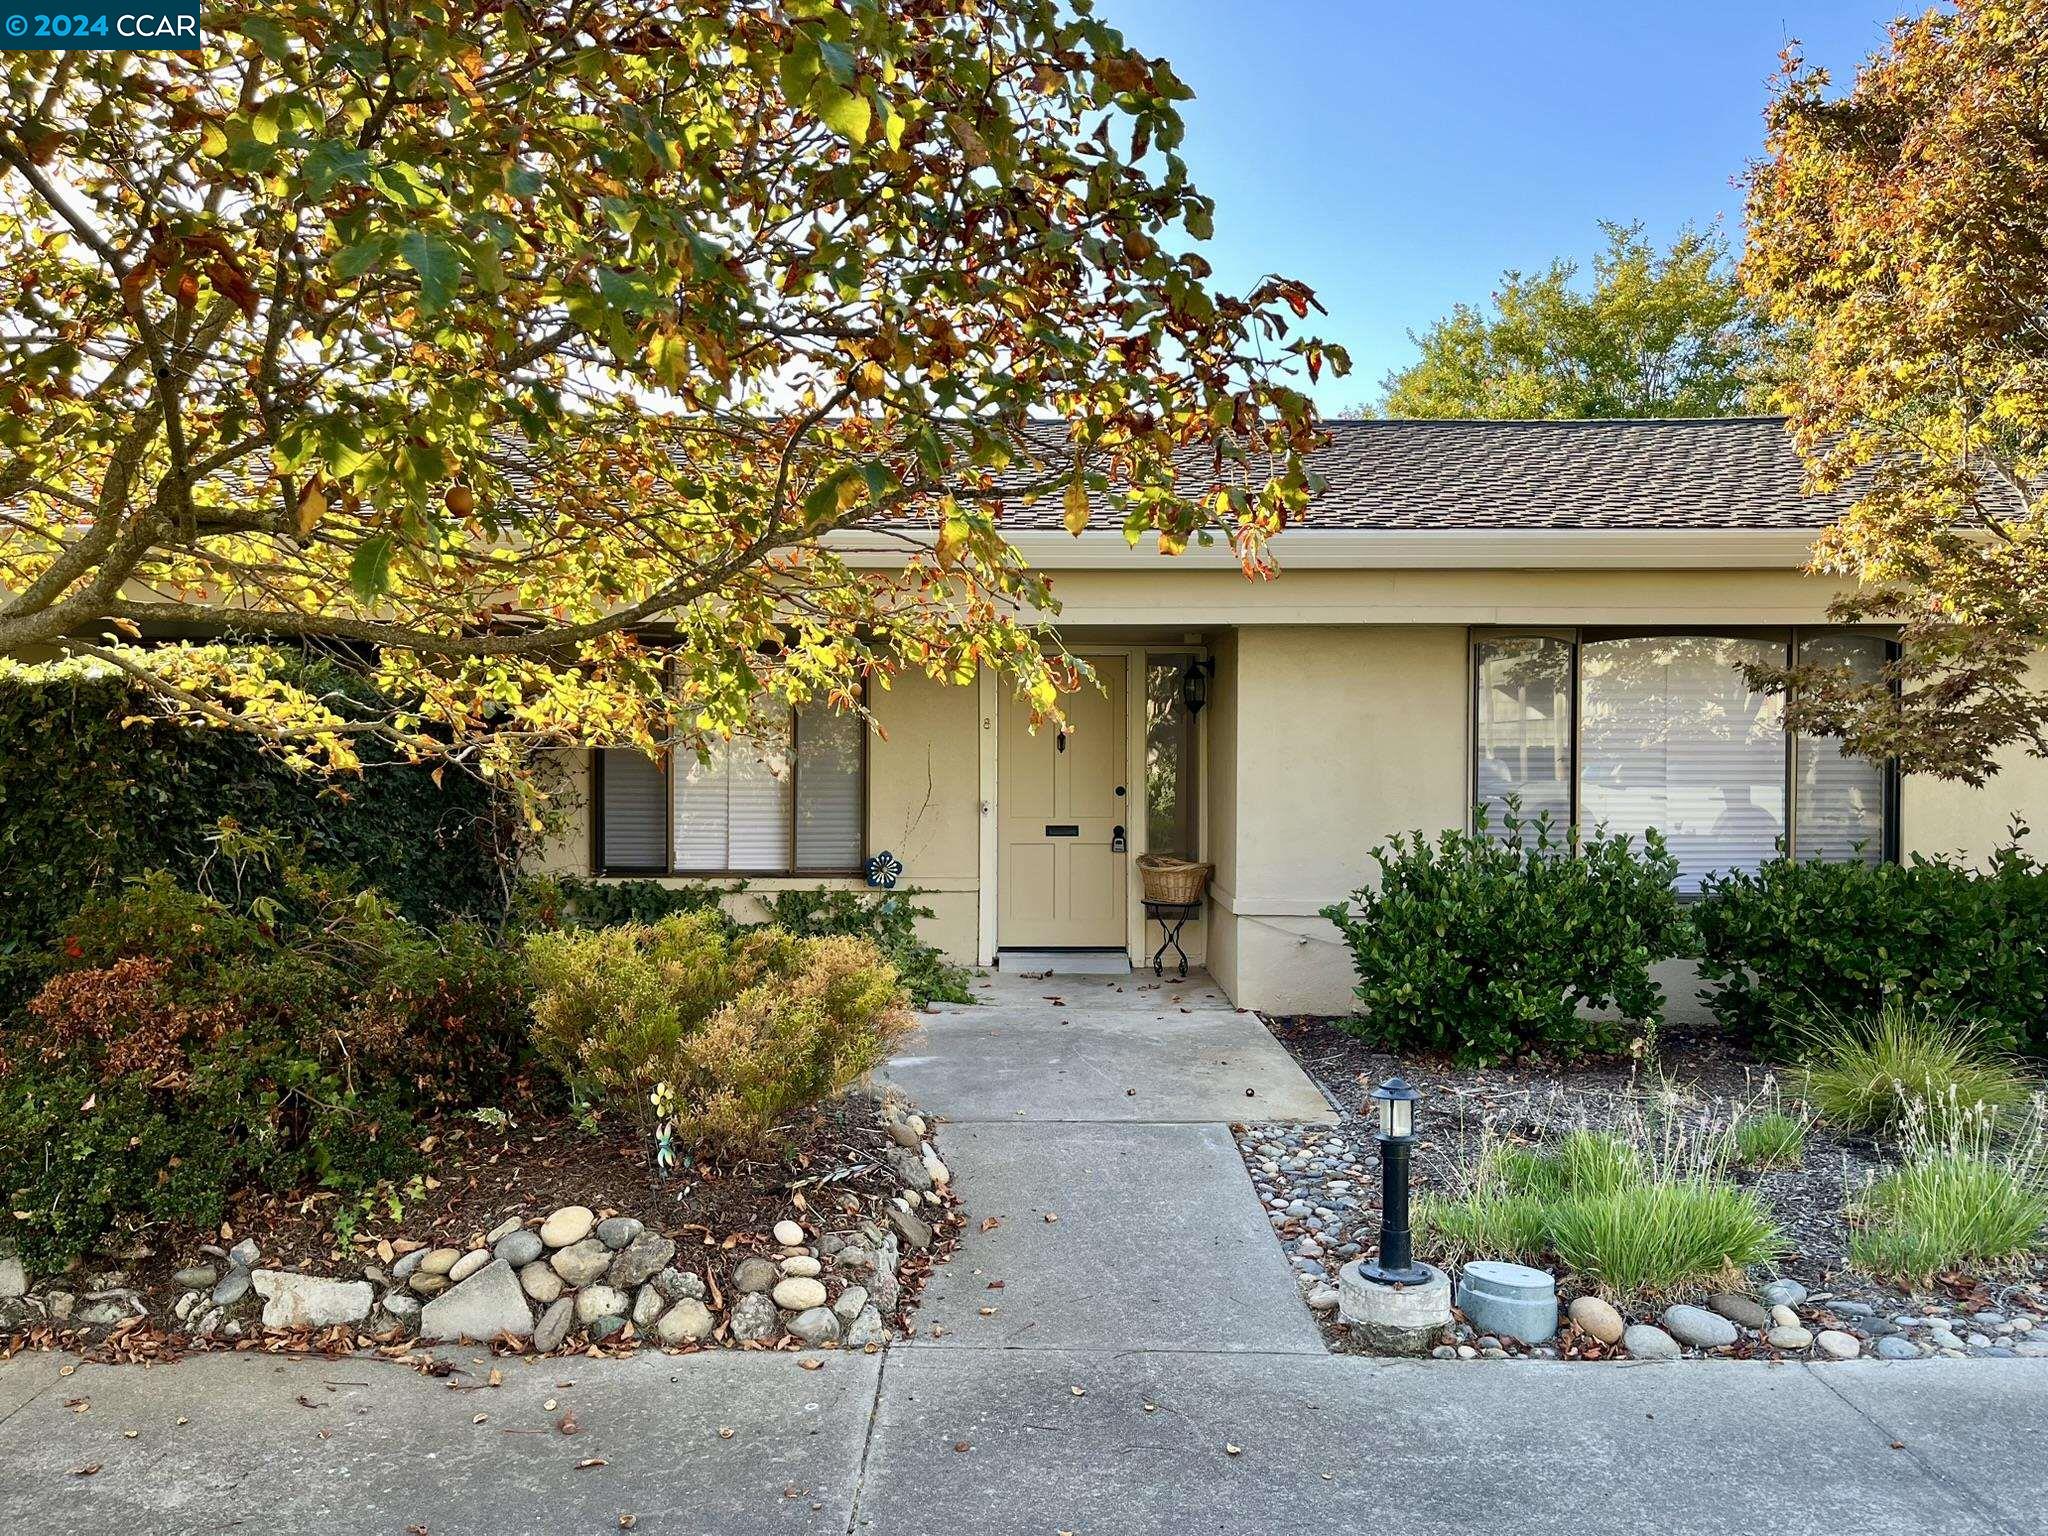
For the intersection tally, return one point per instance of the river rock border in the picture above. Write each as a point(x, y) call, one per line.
point(564, 1279)
point(1318, 1186)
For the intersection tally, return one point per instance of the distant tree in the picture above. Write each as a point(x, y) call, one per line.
point(1904, 228)
point(1660, 333)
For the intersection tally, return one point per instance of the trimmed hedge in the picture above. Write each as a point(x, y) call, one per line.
point(94, 788)
point(1488, 947)
point(1793, 942)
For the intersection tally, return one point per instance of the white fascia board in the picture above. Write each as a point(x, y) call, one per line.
point(1403, 549)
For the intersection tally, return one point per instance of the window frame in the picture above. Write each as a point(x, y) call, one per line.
point(668, 868)
point(1576, 637)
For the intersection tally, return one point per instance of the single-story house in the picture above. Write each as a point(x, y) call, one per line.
point(1553, 610)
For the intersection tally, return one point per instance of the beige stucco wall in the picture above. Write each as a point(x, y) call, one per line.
point(1220, 797)
point(1938, 816)
point(922, 806)
point(1344, 737)
point(1338, 716)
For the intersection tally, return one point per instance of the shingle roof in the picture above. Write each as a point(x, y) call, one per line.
point(1730, 473)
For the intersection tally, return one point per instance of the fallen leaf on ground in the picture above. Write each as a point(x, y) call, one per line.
point(87, 1470)
point(1232, 1450)
point(627, 1522)
point(588, 1462)
point(567, 1423)
point(961, 1446)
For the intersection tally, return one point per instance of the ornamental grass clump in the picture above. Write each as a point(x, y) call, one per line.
point(742, 1030)
point(1869, 1075)
point(1969, 1197)
point(1772, 1140)
point(1634, 1213)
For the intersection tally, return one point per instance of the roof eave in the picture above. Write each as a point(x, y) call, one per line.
point(1635, 549)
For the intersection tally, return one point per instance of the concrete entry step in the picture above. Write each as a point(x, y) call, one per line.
point(1065, 962)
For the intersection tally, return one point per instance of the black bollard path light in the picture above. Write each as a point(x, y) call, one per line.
point(1392, 1304)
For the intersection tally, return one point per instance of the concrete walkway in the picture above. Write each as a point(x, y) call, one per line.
point(1145, 1369)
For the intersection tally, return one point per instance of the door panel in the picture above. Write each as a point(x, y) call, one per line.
point(1063, 885)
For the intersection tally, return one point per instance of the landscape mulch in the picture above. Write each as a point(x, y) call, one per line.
point(1696, 1075)
point(828, 1171)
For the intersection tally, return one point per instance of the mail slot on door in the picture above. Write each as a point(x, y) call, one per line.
point(1067, 830)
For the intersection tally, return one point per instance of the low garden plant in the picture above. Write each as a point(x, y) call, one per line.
point(1940, 936)
point(1641, 1213)
point(1485, 946)
point(97, 788)
point(886, 919)
point(737, 1030)
point(1872, 1074)
point(1968, 1196)
point(1770, 1140)
point(186, 1049)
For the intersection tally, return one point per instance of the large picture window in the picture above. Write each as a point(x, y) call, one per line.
point(789, 799)
point(1630, 731)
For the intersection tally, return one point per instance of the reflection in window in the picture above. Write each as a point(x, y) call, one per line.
point(1672, 738)
point(1523, 734)
point(1840, 799)
point(1169, 759)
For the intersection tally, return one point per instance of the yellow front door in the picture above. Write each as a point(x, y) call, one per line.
point(1064, 821)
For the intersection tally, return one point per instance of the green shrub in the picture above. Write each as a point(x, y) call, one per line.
point(568, 901)
point(1486, 947)
point(1604, 1207)
point(447, 1012)
point(1486, 1224)
point(889, 922)
point(183, 1049)
point(1874, 1075)
point(1964, 1198)
point(1791, 939)
point(96, 787)
point(1772, 1140)
point(745, 1028)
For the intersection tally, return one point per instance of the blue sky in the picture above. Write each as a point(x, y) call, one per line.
point(1398, 157)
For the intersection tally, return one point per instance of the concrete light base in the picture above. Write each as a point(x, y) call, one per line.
point(1394, 1319)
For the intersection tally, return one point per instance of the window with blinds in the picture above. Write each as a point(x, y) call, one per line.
point(1841, 801)
point(789, 799)
point(1522, 739)
point(1672, 738)
point(1635, 731)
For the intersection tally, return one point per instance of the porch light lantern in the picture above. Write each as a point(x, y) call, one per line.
point(1395, 1101)
point(1194, 685)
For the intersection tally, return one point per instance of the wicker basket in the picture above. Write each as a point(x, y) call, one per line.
point(1172, 882)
